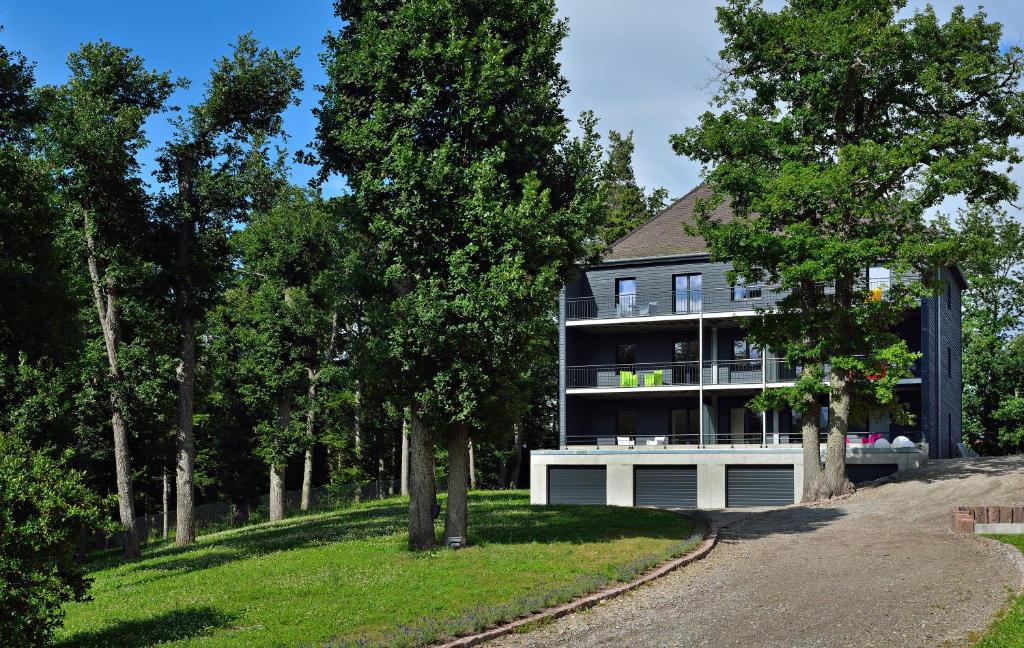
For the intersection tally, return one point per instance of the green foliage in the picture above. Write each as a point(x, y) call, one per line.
point(352, 568)
point(839, 125)
point(993, 305)
point(44, 506)
point(446, 123)
point(627, 203)
point(1008, 629)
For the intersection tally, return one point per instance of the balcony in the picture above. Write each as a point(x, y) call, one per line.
point(707, 301)
point(633, 376)
point(673, 303)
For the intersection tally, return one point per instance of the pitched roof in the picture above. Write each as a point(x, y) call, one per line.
point(663, 235)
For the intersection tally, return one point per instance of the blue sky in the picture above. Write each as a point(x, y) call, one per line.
point(182, 36)
point(641, 65)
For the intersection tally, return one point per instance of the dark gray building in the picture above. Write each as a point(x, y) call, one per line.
point(656, 371)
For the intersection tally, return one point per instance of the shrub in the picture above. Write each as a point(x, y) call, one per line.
point(44, 506)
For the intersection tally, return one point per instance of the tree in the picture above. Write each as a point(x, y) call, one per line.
point(218, 169)
point(288, 311)
point(628, 204)
point(993, 266)
point(92, 136)
point(839, 125)
point(44, 506)
point(446, 122)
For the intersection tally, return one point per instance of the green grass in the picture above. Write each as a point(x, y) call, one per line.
point(1008, 629)
point(346, 578)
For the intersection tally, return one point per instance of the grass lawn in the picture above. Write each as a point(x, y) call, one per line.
point(345, 577)
point(1008, 629)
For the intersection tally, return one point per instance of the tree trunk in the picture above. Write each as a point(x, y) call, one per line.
point(810, 428)
point(307, 465)
point(357, 420)
point(472, 467)
point(166, 503)
point(422, 486)
point(185, 530)
point(517, 456)
point(276, 493)
point(284, 419)
point(104, 294)
point(458, 480)
point(404, 477)
point(833, 480)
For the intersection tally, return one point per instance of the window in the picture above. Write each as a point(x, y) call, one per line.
point(685, 351)
point(949, 296)
point(625, 354)
point(687, 293)
point(627, 423)
point(743, 293)
point(625, 294)
point(685, 425)
point(879, 280)
point(949, 361)
point(743, 350)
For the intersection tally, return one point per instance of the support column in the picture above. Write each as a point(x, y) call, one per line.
point(764, 382)
point(700, 378)
point(620, 484)
point(710, 486)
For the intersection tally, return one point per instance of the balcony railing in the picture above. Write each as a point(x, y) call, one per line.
point(632, 440)
point(707, 300)
point(681, 302)
point(732, 372)
point(638, 375)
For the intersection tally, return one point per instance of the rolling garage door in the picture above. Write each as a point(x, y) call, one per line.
point(577, 485)
point(758, 485)
point(665, 486)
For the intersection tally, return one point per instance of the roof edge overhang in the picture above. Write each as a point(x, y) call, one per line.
point(691, 256)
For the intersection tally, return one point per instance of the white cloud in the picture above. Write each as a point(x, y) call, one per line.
point(645, 65)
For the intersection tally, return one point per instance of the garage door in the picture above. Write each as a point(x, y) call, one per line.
point(665, 486)
point(758, 485)
point(577, 485)
point(860, 473)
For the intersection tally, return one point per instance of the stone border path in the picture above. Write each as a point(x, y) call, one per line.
point(589, 601)
point(878, 568)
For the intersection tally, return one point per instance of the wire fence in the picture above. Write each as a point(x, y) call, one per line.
point(220, 516)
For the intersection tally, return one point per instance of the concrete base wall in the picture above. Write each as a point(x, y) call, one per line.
point(710, 462)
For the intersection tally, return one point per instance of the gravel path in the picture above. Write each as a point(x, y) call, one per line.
point(879, 568)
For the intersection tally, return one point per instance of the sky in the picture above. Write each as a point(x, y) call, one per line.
point(640, 65)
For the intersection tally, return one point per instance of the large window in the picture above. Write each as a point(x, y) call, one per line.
point(746, 293)
point(626, 423)
point(688, 293)
point(625, 354)
point(625, 295)
point(743, 350)
point(685, 425)
point(684, 351)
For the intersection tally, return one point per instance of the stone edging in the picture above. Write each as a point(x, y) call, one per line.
point(1014, 554)
point(590, 600)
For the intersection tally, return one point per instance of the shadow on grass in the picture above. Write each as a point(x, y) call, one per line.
point(500, 517)
point(170, 626)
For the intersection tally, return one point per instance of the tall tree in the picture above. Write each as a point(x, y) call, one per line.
point(446, 121)
point(839, 125)
point(218, 169)
point(629, 206)
point(292, 271)
point(93, 133)
point(993, 264)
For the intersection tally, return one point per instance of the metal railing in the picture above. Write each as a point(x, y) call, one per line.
point(637, 375)
point(680, 302)
point(706, 300)
point(732, 372)
point(632, 440)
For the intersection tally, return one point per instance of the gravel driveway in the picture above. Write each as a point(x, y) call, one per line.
point(879, 568)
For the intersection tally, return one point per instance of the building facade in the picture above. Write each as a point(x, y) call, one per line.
point(656, 371)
